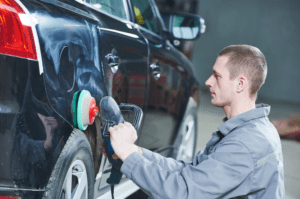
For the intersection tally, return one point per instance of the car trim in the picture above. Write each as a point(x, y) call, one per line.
point(126, 9)
point(33, 22)
point(120, 32)
point(162, 23)
point(19, 189)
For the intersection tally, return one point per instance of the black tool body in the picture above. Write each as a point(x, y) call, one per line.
point(111, 115)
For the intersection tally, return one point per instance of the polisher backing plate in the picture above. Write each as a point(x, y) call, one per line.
point(81, 108)
point(86, 109)
point(74, 107)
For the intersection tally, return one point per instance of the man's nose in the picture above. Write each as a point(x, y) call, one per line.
point(208, 82)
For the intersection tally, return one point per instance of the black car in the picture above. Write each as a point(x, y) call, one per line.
point(51, 49)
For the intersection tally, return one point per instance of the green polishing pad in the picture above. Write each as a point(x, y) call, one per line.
point(74, 107)
point(82, 109)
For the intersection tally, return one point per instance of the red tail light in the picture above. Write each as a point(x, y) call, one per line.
point(9, 197)
point(16, 38)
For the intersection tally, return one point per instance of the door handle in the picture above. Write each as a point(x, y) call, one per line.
point(155, 69)
point(113, 61)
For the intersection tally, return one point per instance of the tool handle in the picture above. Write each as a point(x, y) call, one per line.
point(109, 152)
point(116, 174)
point(138, 114)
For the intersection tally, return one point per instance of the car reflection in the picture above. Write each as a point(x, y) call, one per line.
point(37, 138)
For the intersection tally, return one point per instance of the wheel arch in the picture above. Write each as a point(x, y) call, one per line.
point(93, 134)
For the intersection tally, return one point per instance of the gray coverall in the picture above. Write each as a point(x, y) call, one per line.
point(242, 160)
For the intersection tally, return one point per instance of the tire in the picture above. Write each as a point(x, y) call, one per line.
point(185, 142)
point(73, 173)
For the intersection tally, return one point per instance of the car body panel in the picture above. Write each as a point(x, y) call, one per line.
point(75, 42)
point(25, 163)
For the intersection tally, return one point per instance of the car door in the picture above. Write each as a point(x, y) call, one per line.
point(124, 58)
point(165, 90)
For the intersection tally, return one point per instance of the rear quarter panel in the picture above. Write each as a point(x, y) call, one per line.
point(70, 52)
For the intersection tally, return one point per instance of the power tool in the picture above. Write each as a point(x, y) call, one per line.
point(84, 111)
point(111, 115)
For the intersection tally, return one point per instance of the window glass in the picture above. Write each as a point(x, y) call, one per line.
point(145, 15)
point(114, 7)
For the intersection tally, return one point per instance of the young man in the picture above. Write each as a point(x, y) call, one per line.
point(243, 159)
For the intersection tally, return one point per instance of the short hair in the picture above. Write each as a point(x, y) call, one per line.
point(249, 61)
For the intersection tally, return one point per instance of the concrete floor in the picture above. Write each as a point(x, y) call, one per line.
point(210, 118)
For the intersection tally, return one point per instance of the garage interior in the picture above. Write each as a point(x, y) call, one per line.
point(273, 27)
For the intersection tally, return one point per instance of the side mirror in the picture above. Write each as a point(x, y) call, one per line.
point(184, 26)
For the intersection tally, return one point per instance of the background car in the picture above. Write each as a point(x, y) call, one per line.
point(51, 49)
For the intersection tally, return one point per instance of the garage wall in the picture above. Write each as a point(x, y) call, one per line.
point(271, 25)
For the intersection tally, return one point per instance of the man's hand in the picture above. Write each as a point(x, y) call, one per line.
point(50, 125)
point(123, 133)
point(122, 137)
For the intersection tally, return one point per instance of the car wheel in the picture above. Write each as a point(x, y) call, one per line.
point(73, 174)
point(185, 143)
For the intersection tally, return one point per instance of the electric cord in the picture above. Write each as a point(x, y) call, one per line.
point(112, 191)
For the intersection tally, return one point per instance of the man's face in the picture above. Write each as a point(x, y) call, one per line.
point(221, 88)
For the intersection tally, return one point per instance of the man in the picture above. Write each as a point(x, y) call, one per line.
point(243, 159)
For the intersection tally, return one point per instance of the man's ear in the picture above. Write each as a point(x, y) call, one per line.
point(241, 84)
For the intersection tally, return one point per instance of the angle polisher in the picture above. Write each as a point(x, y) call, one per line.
point(111, 115)
point(84, 112)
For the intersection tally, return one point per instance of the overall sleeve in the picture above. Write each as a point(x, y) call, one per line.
point(226, 172)
point(168, 164)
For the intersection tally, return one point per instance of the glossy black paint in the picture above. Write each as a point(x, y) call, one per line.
point(76, 42)
point(167, 95)
point(70, 53)
point(31, 132)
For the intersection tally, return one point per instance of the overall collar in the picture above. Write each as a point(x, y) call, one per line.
point(261, 110)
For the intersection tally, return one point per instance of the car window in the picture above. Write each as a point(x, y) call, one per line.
point(145, 15)
point(114, 7)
